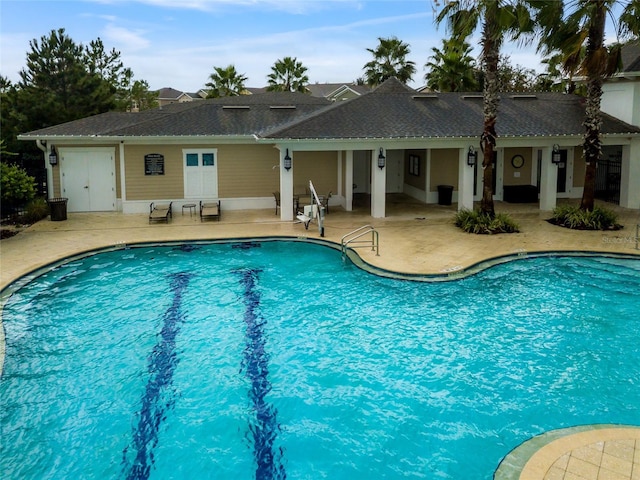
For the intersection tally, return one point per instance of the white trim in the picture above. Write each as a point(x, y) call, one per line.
point(123, 177)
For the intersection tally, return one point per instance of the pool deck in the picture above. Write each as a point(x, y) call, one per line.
point(415, 239)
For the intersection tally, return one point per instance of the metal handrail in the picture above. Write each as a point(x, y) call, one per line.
point(352, 238)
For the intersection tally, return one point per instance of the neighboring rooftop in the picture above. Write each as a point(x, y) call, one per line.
point(631, 57)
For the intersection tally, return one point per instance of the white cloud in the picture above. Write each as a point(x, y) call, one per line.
point(125, 39)
point(289, 6)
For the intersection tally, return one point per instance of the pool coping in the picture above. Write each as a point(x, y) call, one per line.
point(533, 458)
point(455, 273)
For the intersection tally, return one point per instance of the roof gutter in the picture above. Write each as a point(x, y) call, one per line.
point(41, 146)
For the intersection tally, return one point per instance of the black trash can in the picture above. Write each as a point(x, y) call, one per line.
point(445, 192)
point(58, 209)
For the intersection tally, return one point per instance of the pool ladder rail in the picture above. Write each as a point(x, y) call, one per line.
point(355, 240)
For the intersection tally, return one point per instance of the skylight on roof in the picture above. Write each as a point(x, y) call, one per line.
point(420, 97)
point(524, 97)
point(282, 107)
point(236, 107)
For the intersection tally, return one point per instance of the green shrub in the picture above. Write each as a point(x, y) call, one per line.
point(571, 216)
point(36, 210)
point(474, 221)
point(16, 186)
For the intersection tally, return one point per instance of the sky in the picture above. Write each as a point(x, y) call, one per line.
point(177, 43)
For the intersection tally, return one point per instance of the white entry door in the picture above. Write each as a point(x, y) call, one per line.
point(200, 173)
point(88, 179)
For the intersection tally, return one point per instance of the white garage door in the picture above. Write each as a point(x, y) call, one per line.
point(88, 179)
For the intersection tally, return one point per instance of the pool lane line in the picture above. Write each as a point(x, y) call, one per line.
point(157, 398)
point(256, 365)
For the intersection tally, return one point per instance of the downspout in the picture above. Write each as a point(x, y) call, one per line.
point(42, 145)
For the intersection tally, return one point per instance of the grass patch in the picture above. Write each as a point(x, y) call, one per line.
point(474, 221)
point(571, 216)
point(36, 210)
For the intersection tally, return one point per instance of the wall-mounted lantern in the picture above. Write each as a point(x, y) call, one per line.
point(472, 156)
point(556, 158)
point(53, 156)
point(381, 159)
point(287, 161)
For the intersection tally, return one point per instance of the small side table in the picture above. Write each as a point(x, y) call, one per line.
point(191, 207)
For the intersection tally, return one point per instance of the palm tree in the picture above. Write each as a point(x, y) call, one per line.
point(499, 18)
point(389, 60)
point(225, 82)
point(288, 75)
point(451, 69)
point(579, 36)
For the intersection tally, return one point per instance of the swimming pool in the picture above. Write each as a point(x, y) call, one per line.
point(276, 359)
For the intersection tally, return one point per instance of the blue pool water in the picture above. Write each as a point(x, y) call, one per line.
point(277, 360)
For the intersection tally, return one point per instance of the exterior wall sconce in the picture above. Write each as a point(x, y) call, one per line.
point(287, 161)
point(472, 156)
point(381, 159)
point(53, 156)
point(556, 158)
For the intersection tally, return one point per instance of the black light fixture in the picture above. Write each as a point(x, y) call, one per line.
point(556, 158)
point(287, 161)
point(381, 159)
point(53, 156)
point(472, 156)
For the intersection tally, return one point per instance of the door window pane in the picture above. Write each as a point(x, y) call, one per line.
point(207, 159)
point(192, 159)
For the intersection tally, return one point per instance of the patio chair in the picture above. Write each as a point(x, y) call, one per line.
point(325, 202)
point(276, 195)
point(159, 212)
point(210, 210)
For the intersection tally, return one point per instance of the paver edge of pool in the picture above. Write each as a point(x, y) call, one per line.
point(530, 460)
point(533, 458)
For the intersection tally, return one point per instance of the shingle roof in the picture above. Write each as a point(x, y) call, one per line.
point(394, 110)
point(226, 116)
point(167, 93)
point(631, 57)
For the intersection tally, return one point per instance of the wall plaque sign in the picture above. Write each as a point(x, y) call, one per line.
point(154, 164)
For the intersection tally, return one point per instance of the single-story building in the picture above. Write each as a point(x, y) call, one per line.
point(242, 149)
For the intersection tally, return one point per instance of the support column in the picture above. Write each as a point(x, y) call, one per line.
point(123, 182)
point(465, 182)
point(630, 175)
point(340, 190)
point(348, 181)
point(286, 187)
point(548, 181)
point(378, 185)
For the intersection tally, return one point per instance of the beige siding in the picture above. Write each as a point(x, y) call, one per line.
point(525, 170)
point(150, 187)
point(319, 167)
point(56, 192)
point(248, 170)
point(444, 168)
point(244, 171)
